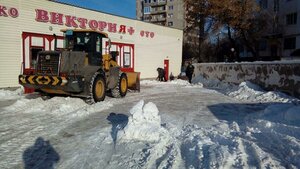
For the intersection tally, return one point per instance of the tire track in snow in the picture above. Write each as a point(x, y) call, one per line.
point(158, 155)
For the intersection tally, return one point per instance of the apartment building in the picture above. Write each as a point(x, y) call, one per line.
point(283, 35)
point(162, 12)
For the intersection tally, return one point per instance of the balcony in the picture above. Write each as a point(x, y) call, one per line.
point(160, 23)
point(158, 11)
point(154, 20)
point(154, 4)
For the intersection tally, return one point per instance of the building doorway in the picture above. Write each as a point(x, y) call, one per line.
point(33, 43)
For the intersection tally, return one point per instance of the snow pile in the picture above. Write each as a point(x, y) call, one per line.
point(8, 94)
point(288, 114)
point(251, 92)
point(277, 133)
point(144, 124)
point(245, 91)
point(178, 82)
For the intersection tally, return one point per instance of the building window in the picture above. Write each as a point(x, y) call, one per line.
point(171, 7)
point(263, 4)
point(170, 15)
point(263, 45)
point(290, 43)
point(127, 60)
point(147, 1)
point(170, 23)
point(34, 52)
point(291, 19)
point(147, 10)
point(99, 44)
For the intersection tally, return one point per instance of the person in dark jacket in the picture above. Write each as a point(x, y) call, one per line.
point(189, 71)
point(161, 74)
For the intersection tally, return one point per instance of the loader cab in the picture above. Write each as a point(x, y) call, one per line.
point(87, 41)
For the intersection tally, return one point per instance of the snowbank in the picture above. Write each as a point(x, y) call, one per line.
point(8, 94)
point(144, 124)
point(251, 92)
point(173, 82)
point(246, 91)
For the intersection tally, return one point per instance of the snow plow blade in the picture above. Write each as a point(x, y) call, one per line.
point(133, 80)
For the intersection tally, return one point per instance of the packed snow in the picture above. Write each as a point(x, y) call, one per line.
point(207, 124)
point(147, 120)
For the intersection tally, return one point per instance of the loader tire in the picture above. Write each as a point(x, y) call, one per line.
point(97, 89)
point(121, 89)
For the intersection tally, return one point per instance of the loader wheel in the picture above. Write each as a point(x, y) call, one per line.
point(97, 89)
point(121, 89)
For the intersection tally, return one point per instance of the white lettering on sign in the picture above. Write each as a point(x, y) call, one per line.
point(5, 11)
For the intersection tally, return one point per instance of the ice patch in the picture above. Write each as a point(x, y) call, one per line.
point(144, 124)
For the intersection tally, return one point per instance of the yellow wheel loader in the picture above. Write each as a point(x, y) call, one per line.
point(80, 69)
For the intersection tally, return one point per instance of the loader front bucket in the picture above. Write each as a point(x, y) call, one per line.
point(133, 80)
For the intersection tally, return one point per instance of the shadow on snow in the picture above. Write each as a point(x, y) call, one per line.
point(273, 137)
point(40, 155)
point(118, 122)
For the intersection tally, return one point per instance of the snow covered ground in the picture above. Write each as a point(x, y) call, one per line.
point(167, 125)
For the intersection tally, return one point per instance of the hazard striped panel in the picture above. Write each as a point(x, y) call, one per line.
point(43, 80)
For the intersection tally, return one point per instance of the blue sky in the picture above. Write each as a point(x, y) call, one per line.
point(124, 8)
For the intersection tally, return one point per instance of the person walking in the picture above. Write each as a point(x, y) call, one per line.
point(189, 71)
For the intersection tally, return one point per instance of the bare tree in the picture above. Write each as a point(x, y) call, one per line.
point(195, 17)
point(242, 19)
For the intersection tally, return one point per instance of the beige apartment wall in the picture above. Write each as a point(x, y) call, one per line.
point(150, 53)
point(178, 13)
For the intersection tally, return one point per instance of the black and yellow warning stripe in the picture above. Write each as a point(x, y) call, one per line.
point(43, 80)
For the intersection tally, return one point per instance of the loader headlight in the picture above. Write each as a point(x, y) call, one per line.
point(65, 81)
point(47, 57)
